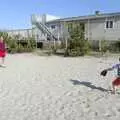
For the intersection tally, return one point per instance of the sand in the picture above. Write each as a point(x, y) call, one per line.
point(57, 88)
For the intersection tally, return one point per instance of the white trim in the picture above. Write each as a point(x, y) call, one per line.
point(109, 19)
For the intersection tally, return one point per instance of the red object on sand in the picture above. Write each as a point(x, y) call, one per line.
point(116, 82)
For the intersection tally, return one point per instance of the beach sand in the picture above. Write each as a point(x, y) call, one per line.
point(57, 88)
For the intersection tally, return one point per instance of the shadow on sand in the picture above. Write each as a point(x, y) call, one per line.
point(88, 84)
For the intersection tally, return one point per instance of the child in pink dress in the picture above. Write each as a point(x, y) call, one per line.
point(2, 50)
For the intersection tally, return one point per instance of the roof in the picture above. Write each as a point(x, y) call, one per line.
point(15, 30)
point(104, 15)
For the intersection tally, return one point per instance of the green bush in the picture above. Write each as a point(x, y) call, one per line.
point(20, 48)
point(77, 44)
point(31, 43)
point(67, 53)
point(115, 47)
point(104, 46)
point(12, 46)
point(15, 44)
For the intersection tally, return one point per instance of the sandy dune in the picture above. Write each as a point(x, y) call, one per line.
point(57, 88)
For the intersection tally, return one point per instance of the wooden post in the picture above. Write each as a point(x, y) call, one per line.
point(54, 44)
point(66, 42)
point(100, 45)
point(53, 41)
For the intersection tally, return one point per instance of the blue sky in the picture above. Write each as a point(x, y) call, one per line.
point(15, 14)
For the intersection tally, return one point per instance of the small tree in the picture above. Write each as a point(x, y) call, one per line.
point(77, 44)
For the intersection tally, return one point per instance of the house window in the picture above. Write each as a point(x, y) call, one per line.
point(53, 26)
point(109, 24)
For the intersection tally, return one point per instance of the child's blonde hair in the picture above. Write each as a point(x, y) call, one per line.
point(1, 38)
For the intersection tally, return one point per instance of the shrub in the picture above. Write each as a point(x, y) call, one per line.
point(20, 49)
point(15, 43)
point(77, 44)
point(67, 53)
point(115, 46)
point(12, 46)
point(104, 46)
point(31, 42)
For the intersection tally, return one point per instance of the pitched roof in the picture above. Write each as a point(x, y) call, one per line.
point(103, 15)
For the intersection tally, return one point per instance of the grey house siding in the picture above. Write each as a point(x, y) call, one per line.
point(114, 33)
point(96, 29)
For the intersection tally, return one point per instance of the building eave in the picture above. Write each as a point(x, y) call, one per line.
point(82, 18)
